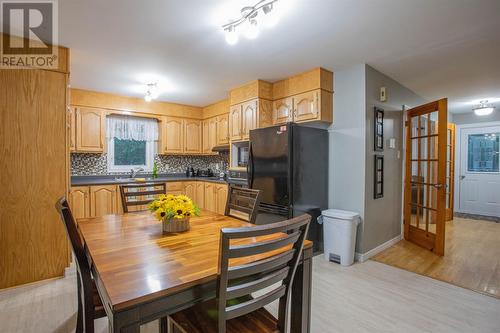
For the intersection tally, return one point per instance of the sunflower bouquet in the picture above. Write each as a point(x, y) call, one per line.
point(170, 207)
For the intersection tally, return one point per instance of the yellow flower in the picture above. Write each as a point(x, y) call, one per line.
point(160, 214)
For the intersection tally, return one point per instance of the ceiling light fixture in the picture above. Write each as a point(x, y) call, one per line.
point(249, 21)
point(151, 92)
point(483, 109)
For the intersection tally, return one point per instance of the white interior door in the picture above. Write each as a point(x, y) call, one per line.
point(479, 177)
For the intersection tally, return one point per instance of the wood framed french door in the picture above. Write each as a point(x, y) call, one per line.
point(450, 171)
point(425, 175)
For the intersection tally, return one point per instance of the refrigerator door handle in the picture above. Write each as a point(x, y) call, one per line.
point(250, 165)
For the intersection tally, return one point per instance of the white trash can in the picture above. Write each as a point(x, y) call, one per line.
point(339, 233)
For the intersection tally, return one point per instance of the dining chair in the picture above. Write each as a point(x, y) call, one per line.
point(145, 191)
point(89, 302)
point(242, 203)
point(235, 309)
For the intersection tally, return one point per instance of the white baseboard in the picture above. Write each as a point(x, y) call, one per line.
point(70, 270)
point(362, 257)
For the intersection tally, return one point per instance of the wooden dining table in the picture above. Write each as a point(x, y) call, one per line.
point(142, 274)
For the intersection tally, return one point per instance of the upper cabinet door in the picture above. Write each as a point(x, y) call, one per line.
point(249, 117)
point(192, 136)
point(174, 138)
point(89, 130)
point(223, 129)
point(235, 123)
point(282, 110)
point(72, 128)
point(206, 135)
point(306, 106)
point(212, 132)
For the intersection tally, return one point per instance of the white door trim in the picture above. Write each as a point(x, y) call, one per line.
point(458, 157)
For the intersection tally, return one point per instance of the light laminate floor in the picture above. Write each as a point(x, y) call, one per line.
point(367, 297)
point(471, 260)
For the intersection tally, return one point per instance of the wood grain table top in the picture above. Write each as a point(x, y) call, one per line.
point(136, 262)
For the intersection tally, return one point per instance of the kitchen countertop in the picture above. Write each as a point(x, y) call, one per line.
point(119, 179)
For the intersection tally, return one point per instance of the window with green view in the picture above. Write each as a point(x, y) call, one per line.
point(129, 152)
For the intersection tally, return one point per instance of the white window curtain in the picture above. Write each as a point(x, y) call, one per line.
point(131, 128)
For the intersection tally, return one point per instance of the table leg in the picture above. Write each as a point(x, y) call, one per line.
point(300, 310)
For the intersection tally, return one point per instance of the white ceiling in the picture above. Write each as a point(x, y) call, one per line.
point(437, 48)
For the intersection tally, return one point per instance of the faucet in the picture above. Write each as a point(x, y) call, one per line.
point(133, 172)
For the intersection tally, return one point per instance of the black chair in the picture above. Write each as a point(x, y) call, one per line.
point(140, 194)
point(89, 302)
point(242, 203)
point(235, 310)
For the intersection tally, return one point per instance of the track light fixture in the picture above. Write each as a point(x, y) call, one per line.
point(250, 21)
point(151, 92)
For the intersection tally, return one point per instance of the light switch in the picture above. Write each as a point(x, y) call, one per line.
point(383, 94)
point(392, 143)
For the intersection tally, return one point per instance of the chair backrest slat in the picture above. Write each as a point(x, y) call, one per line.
point(237, 251)
point(146, 193)
point(242, 203)
point(256, 303)
point(281, 250)
point(261, 265)
point(256, 285)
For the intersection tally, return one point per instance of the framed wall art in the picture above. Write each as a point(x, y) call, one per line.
point(378, 129)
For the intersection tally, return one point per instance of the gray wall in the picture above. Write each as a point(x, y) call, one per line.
point(471, 118)
point(382, 217)
point(347, 141)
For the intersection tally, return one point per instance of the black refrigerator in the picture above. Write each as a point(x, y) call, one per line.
point(289, 165)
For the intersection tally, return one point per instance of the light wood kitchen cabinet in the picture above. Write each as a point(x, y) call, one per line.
point(209, 135)
point(72, 128)
point(79, 201)
point(210, 201)
point(205, 141)
point(223, 129)
point(90, 130)
point(306, 106)
point(103, 200)
point(249, 118)
point(192, 136)
point(173, 135)
point(221, 192)
point(200, 194)
point(235, 122)
point(190, 190)
point(282, 111)
point(175, 188)
point(212, 132)
point(314, 105)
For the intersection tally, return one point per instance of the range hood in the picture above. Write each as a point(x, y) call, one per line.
point(220, 148)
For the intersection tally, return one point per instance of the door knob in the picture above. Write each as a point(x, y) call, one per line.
point(462, 177)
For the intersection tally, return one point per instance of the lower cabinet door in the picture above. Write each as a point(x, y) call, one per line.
point(79, 201)
point(200, 194)
point(103, 200)
point(221, 198)
point(210, 203)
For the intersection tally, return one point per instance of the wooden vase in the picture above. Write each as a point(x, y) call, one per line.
point(171, 225)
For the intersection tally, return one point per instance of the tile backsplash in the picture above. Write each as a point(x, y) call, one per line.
point(96, 164)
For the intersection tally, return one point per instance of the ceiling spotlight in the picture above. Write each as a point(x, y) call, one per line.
point(483, 109)
point(151, 92)
point(231, 35)
point(249, 21)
